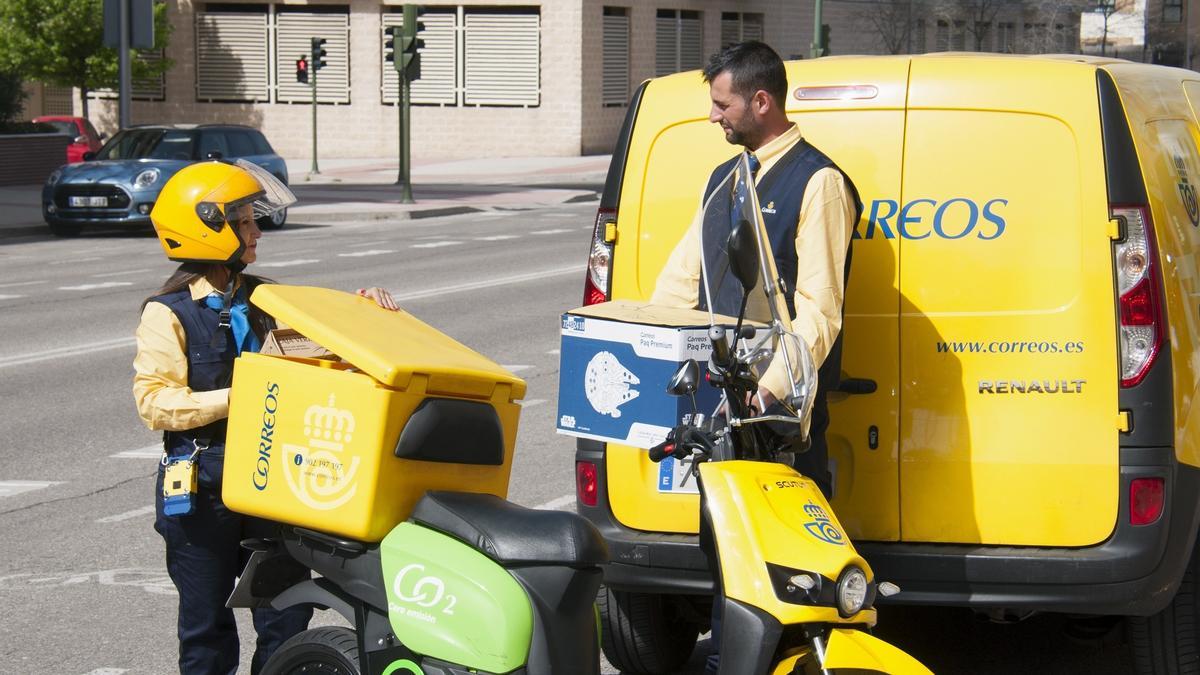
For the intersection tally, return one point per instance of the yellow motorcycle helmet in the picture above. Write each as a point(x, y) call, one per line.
point(196, 212)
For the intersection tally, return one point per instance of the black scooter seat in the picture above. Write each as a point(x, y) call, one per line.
point(511, 534)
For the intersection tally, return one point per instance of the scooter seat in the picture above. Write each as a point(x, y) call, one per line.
point(511, 534)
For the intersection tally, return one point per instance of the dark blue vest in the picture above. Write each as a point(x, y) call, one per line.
point(210, 366)
point(780, 195)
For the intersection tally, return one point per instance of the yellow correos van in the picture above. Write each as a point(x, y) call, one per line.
point(1015, 427)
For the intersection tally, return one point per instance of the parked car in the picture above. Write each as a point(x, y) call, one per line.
point(119, 184)
point(78, 128)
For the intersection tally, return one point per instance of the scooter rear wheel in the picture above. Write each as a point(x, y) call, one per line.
point(324, 651)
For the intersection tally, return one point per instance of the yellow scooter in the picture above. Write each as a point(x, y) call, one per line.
point(795, 595)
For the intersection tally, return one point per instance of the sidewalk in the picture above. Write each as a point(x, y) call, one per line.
point(365, 189)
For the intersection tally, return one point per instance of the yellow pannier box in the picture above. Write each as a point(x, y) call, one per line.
point(348, 447)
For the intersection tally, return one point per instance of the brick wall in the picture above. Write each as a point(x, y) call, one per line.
point(366, 127)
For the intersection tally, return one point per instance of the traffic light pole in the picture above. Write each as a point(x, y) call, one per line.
point(312, 82)
point(404, 180)
point(816, 41)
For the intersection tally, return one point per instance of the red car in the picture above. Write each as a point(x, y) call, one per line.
point(84, 134)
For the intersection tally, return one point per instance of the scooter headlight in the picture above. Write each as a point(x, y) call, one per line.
point(852, 590)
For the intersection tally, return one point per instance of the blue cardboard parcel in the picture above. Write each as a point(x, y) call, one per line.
point(613, 373)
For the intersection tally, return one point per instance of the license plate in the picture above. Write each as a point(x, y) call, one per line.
point(675, 476)
point(88, 201)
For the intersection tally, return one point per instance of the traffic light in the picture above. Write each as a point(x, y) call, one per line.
point(389, 45)
point(410, 44)
point(302, 70)
point(824, 39)
point(318, 53)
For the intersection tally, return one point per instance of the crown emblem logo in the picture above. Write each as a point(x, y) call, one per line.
point(317, 474)
point(770, 205)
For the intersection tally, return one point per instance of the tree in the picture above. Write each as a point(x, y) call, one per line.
point(977, 17)
point(892, 22)
point(62, 42)
point(12, 97)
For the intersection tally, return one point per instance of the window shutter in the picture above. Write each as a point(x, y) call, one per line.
point(438, 84)
point(666, 44)
point(752, 27)
point(691, 41)
point(57, 100)
point(731, 28)
point(615, 88)
point(293, 38)
point(503, 58)
point(231, 57)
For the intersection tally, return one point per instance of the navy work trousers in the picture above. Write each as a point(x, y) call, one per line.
point(204, 558)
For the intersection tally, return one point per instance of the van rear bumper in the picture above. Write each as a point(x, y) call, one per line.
point(1134, 572)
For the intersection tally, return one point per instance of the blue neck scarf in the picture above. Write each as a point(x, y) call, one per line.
point(239, 319)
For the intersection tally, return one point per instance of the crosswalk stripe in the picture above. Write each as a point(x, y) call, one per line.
point(289, 263)
point(141, 453)
point(10, 488)
point(93, 287)
point(437, 244)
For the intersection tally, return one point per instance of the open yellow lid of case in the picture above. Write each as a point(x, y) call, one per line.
point(389, 346)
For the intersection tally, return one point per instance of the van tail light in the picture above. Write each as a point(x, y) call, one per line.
point(596, 285)
point(1146, 498)
point(587, 483)
point(1138, 297)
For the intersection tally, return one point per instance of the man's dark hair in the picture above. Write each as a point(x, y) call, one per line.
point(752, 65)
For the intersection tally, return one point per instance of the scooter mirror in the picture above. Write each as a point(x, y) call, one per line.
point(742, 248)
point(683, 382)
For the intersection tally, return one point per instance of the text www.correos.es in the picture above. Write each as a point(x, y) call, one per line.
point(1011, 347)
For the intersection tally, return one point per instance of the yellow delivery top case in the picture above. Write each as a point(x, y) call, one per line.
point(349, 446)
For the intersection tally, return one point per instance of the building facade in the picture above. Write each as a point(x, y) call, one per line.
point(518, 77)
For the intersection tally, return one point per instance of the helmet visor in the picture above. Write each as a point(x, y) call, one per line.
point(273, 197)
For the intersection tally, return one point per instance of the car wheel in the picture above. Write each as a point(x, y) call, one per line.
point(1167, 642)
point(332, 651)
point(274, 221)
point(644, 633)
point(61, 229)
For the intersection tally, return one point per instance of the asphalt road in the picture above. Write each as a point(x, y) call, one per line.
point(82, 580)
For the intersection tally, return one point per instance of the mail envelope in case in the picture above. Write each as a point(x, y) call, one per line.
point(326, 444)
point(616, 360)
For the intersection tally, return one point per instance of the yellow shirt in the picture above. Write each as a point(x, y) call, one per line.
point(160, 389)
point(822, 237)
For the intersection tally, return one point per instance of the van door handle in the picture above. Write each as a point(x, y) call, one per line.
point(856, 385)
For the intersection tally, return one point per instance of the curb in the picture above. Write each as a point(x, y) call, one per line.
point(399, 214)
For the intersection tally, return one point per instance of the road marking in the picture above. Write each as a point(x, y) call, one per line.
point(62, 352)
point(557, 504)
point(554, 231)
point(76, 260)
point(107, 671)
point(532, 402)
point(92, 287)
point(154, 451)
point(11, 488)
point(121, 274)
point(364, 244)
point(290, 263)
point(145, 510)
point(23, 283)
point(437, 244)
point(554, 351)
point(486, 283)
point(10, 297)
point(515, 369)
point(363, 254)
point(149, 580)
point(496, 237)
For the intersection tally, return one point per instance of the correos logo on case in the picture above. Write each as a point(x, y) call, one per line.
point(318, 474)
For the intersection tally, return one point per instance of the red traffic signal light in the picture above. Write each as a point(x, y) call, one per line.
point(302, 70)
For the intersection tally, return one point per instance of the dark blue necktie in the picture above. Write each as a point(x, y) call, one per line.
point(239, 320)
point(741, 192)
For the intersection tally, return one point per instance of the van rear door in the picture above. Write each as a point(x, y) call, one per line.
point(1008, 424)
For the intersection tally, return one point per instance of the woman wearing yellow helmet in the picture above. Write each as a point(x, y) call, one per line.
point(189, 335)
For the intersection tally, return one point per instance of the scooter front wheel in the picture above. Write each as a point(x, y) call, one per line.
point(324, 651)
